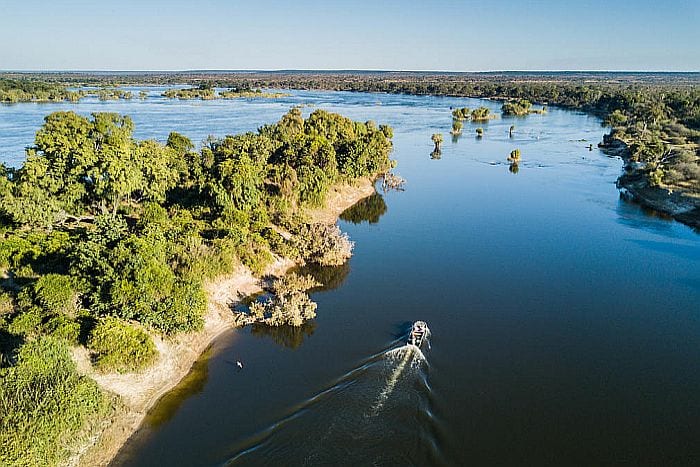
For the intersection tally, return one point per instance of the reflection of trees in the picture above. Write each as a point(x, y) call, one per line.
point(369, 210)
point(190, 385)
point(330, 277)
point(514, 168)
point(287, 336)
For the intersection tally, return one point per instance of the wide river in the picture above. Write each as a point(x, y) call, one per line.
point(565, 321)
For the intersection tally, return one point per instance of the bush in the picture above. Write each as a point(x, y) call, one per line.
point(54, 292)
point(184, 309)
point(6, 305)
point(289, 305)
point(481, 114)
point(63, 327)
point(322, 244)
point(120, 346)
point(45, 403)
point(519, 108)
point(27, 322)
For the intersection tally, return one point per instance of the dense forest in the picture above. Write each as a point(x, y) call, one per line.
point(106, 240)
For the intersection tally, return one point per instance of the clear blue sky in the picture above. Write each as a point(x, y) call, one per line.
point(359, 34)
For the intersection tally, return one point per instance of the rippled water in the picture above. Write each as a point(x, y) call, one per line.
point(565, 321)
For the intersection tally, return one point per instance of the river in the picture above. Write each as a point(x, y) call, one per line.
point(565, 321)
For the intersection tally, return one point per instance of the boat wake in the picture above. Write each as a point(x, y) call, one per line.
point(378, 413)
point(408, 355)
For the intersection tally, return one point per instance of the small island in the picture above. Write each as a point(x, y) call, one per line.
point(207, 92)
point(520, 108)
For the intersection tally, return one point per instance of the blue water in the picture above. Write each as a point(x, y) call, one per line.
point(565, 321)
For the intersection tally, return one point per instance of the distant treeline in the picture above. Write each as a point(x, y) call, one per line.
point(25, 90)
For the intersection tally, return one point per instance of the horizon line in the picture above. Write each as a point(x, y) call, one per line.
point(332, 70)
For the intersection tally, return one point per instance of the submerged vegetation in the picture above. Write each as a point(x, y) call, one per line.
point(106, 240)
point(481, 114)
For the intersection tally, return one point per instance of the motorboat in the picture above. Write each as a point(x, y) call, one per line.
point(418, 333)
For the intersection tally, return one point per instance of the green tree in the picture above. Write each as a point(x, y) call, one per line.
point(437, 140)
point(116, 174)
point(481, 114)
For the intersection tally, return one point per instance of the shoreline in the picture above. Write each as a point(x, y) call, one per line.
point(670, 202)
point(137, 393)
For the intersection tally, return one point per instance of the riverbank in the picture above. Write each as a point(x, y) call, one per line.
point(670, 201)
point(138, 392)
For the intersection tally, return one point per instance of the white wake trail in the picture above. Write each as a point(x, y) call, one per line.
point(409, 354)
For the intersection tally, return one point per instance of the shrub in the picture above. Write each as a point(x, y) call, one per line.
point(6, 305)
point(27, 322)
point(481, 114)
point(45, 403)
point(322, 244)
point(63, 327)
point(54, 292)
point(120, 346)
point(460, 114)
point(289, 305)
point(184, 309)
point(519, 108)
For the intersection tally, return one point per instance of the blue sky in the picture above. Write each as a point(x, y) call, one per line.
point(360, 34)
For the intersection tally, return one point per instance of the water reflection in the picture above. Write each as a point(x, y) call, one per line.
point(514, 168)
point(287, 336)
point(330, 277)
point(436, 154)
point(192, 384)
point(632, 214)
point(369, 210)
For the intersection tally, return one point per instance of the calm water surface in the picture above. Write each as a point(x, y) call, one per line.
point(565, 322)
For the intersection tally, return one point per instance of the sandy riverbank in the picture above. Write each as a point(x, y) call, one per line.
point(138, 392)
point(674, 202)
